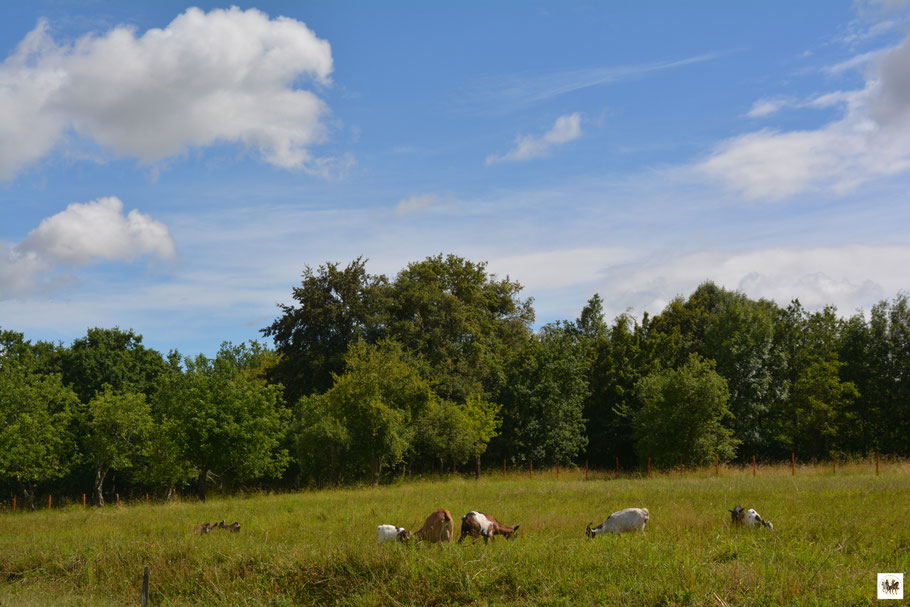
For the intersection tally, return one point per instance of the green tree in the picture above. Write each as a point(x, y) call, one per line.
point(813, 419)
point(335, 308)
point(683, 413)
point(369, 415)
point(456, 433)
point(463, 322)
point(230, 420)
point(36, 443)
point(543, 399)
point(118, 428)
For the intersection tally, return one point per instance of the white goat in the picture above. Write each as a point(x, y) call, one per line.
point(630, 519)
point(391, 533)
point(754, 519)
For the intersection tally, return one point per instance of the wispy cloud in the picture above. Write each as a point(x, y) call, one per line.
point(415, 203)
point(509, 92)
point(565, 129)
point(871, 139)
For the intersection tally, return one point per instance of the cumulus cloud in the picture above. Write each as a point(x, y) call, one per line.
point(226, 75)
point(527, 147)
point(849, 277)
point(871, 139)
point(79, 235)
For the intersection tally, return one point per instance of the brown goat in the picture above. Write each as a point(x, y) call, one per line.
point(437, 528)
point(477, 524)
point(203, 528)
point(233, 527)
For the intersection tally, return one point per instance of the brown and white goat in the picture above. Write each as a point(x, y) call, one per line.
point(437, 528)
point(476, 524)
point(203, 528)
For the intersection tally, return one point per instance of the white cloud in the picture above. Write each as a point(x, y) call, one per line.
point(870, 140)
point(415, 203)
point(766, 107)
point(79, 235)
point(225, 75)
point(565, 129)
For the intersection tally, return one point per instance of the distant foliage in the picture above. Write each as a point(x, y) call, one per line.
point(439, 368)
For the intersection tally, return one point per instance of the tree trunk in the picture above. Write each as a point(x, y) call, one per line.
point(377, 467)
point(28, 492)
point(200, 484)
point(100, 473)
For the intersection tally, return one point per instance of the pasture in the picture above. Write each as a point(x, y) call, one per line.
point(832, 534)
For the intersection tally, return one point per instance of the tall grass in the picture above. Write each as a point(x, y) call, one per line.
point(832, 534)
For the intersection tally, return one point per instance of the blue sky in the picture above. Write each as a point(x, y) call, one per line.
point(172, 168)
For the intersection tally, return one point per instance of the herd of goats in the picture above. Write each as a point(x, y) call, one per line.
point(439, 526)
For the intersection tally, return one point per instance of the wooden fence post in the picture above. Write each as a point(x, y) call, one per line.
point(146, 498)
point(753, 466)
point(503, 466)
point(50, 498)
point(83, 500)
point(144, 600)
point(793, 463)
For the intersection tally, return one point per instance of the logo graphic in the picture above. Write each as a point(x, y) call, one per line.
point(890, 585)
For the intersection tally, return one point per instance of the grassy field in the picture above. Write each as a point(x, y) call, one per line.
point(832, 534)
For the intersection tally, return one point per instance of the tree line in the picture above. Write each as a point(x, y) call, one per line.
point(369, 378)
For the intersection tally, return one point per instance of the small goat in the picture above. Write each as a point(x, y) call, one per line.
point(476, 524)
point(754, 519)
point(749, 518)
point(203, 528)
point(630, 519)
point(391, 533)
point(437, 528)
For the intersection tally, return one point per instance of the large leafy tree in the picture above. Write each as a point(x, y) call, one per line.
point(230, 421)
point(813, 420)
point(876, 354)
point(119, 425)
point(683, 415)
point(457, 432)
point(543, 399)
point(464, 322)
point(36, 409)
point(335, 308)
point(367, 420)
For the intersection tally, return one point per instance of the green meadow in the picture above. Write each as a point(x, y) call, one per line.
point(832, 534)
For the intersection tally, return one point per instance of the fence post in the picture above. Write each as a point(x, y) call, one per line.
point(617, 465)
point(753, 466)
point(50, 498)
point(503, 466)
point(146, 497)
point(793, 463)
point(876, 462)
point(83, 500)
point(144, 601)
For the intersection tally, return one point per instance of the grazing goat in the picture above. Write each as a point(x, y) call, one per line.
point(476, 524)
point(203, 528)
point(754, 519)
point(437, 528)
point(737, 515)
point(391, 533)
point(630, 519)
